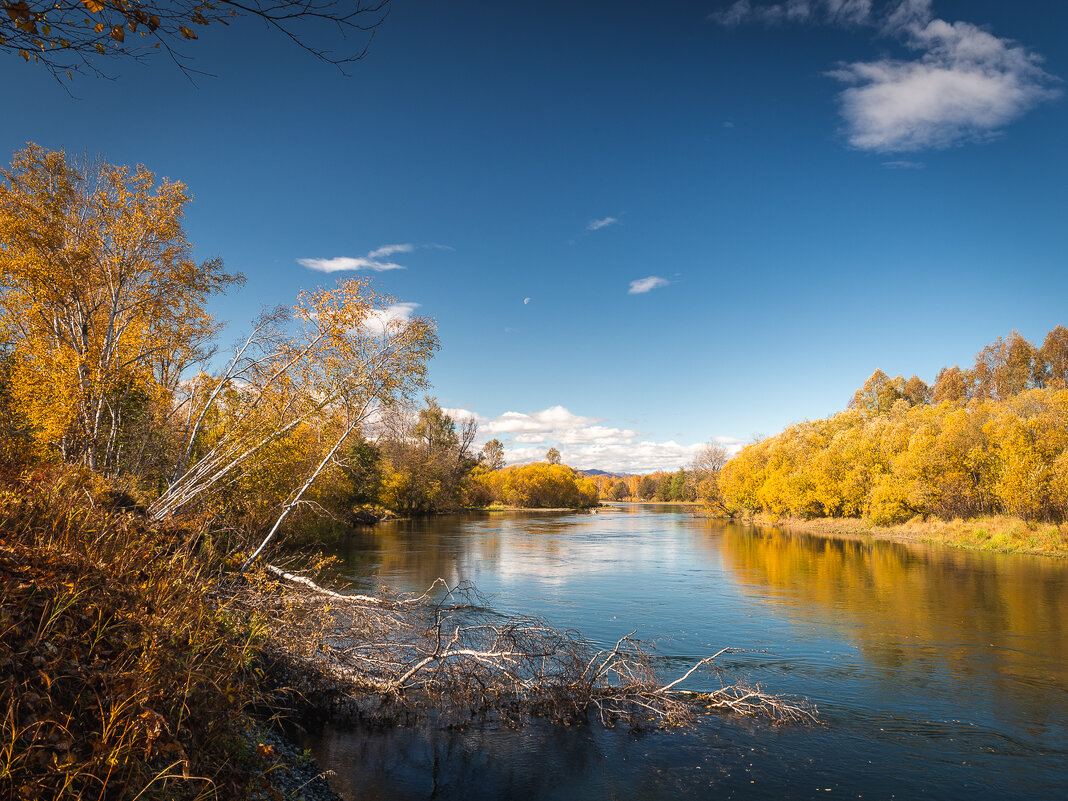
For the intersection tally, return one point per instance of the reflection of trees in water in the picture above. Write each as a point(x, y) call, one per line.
point(547, 545)
point(930, 609)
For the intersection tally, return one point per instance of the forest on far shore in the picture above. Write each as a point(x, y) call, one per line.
point(990, 439)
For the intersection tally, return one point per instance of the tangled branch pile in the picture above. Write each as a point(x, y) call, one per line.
point(445, 651)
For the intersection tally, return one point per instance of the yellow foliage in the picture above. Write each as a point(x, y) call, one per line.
point(101, 304)
point(893, 462)
point(538, 485)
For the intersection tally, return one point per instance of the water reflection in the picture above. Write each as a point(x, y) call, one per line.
point(949, 616)
point(937, 670)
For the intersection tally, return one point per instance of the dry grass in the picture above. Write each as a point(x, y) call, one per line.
point(123, 673)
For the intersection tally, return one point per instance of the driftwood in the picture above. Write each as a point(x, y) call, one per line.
point(446, 652)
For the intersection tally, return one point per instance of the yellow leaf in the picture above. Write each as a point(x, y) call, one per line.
point(187, 32)
point(25, 55)
point(118, 34)
point(94, 6)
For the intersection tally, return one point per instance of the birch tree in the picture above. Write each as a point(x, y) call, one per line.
point(338, 361)
point(101, 302)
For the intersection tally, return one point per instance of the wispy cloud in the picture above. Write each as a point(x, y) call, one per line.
point(842, 12)
point(526, 301)
point(643, 285)
point(604, 222)
point(373, 261)
point(389, 250)
point(963, 84)
point(340, 264)
point(390, 318)
point(904, 165)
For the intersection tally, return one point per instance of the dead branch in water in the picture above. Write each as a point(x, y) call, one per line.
point(381, 657)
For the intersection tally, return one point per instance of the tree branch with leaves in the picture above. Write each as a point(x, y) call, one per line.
point(68, 36)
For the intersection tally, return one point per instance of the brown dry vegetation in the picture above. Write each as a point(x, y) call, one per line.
point(123, 671)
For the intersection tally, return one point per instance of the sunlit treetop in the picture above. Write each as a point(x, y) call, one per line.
point(67, 36)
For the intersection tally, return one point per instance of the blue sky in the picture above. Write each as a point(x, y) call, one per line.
point(806, 191)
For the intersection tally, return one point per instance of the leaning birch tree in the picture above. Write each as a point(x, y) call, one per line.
point(340, 359)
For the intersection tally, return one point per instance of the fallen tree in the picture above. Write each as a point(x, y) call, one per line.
point(447, 653)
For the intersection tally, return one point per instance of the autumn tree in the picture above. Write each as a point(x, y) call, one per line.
point(878, 393)
point(951, 385)
point(316, 378)
point(426, 461)
point(492, 455)
point(1004, 368)
point(542, 485)
point(65, 36)
point(552, 456)
point(1052, 359)
point(646, 488)
point(707, 465)
point(101, 303)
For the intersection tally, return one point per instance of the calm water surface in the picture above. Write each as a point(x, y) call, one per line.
point(937, 673)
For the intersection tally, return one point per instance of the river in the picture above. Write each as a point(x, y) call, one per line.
point(937, 673)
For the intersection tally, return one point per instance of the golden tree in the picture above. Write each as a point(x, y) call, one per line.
point(337, 361)
point(101, 302)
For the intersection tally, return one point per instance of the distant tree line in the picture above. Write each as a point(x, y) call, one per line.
point(986, 440)
point(538, 485)
point(698, 483)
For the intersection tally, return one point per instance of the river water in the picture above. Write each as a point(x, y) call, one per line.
point(937, 673)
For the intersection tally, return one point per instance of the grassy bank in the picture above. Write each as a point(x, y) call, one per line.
point(125, 669)
point(998, 533)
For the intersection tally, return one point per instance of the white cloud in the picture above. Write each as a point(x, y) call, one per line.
point(585, 443)
point(604, 222)
point(904, 165)
point(348, 264)
point(526, 301)
point(643, 285)
point(391, 317)
point(389, 250)
point(966, 85)
point(963, 84)
point(462, 415)
point(529, 439)
point(372, 261)
point(554, 418)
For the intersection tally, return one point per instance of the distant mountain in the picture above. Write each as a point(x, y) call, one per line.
point(595, 472)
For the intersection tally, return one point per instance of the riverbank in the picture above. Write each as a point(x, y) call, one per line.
point(131, 665)
point(996, 533)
